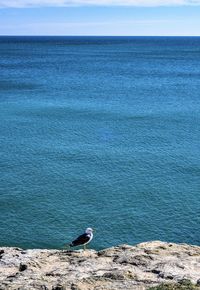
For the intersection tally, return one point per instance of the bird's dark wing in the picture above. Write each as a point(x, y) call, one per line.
point(81, 240)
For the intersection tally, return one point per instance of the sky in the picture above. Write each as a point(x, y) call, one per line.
point(100, 17)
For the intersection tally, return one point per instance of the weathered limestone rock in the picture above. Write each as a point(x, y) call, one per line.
point(124, 267)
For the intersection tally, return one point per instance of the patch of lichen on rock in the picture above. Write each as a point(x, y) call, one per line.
point(183, 285)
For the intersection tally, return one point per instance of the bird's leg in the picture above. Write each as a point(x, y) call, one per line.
point(84, 247)
point(67, 246)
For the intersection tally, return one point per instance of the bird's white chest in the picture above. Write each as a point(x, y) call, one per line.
point(91, 237)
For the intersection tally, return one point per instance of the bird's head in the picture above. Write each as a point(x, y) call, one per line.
point(89, 231)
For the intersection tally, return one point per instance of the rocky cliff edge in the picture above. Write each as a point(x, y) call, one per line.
point(124, 267)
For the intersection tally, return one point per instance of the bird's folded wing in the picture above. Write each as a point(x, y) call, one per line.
point(81, 240)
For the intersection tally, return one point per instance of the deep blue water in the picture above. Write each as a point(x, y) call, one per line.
point(101, 132)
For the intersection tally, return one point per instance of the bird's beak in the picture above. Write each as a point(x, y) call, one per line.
point(94, 230)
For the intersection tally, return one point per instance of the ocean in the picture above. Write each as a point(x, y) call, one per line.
point(99, 132)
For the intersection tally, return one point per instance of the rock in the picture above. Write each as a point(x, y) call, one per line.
point(124, 267)
point(58, 287)
point(22, 267)
point(198, 282)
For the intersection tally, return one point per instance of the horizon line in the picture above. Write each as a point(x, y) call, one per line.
point(85, 35)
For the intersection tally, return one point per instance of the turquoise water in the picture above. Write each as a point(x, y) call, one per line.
point(100, 132)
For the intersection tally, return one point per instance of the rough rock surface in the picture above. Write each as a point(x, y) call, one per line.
point(124, 267)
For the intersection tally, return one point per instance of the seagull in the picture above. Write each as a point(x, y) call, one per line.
point(83, 239)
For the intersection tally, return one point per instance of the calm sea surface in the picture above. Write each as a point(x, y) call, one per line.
point(101, 132)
